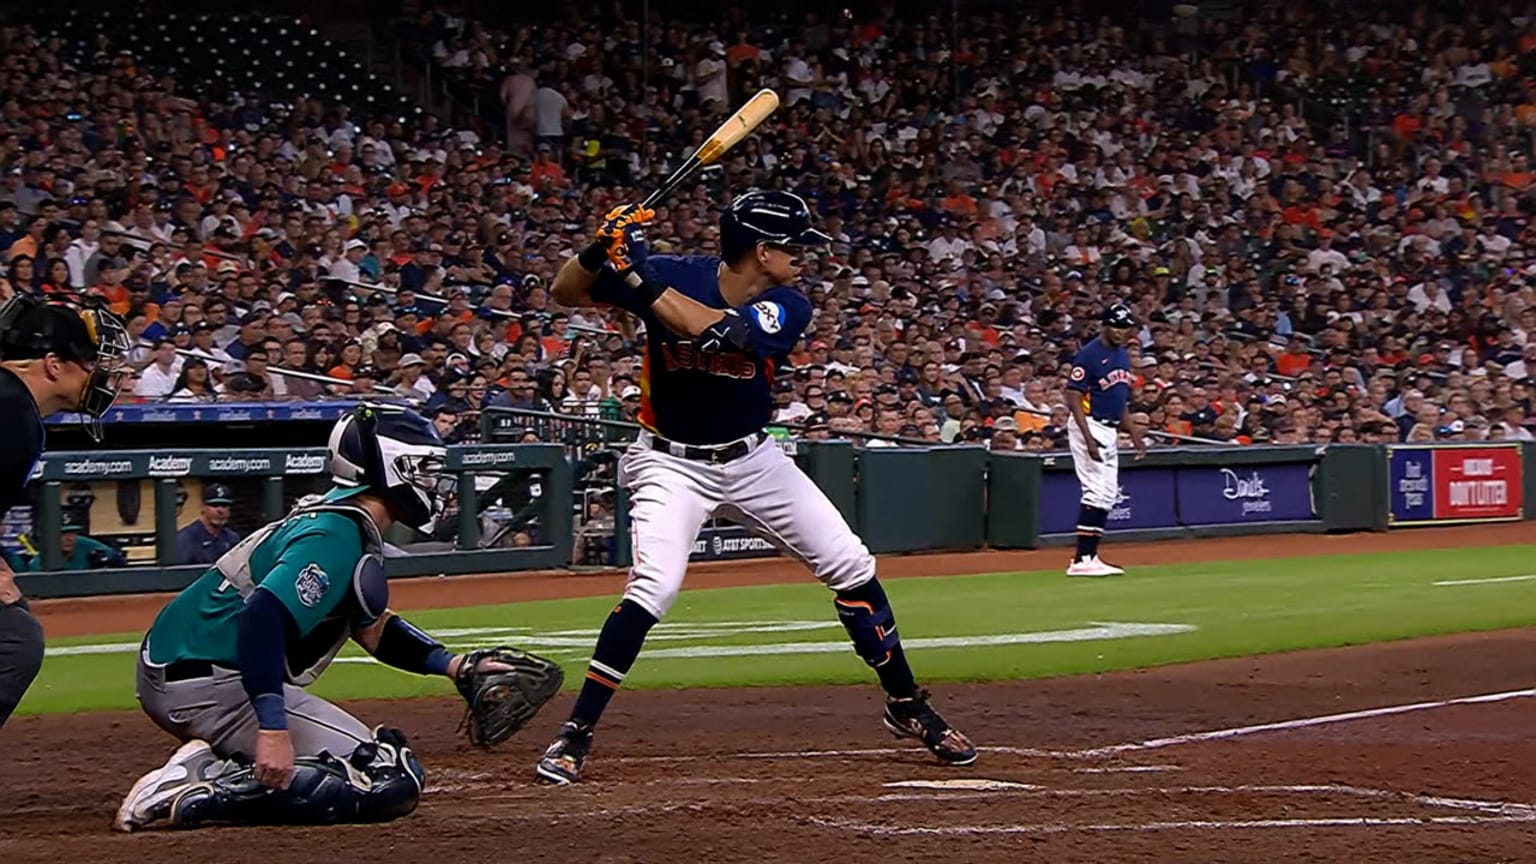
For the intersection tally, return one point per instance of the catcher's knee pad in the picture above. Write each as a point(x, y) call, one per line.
point(866, 615)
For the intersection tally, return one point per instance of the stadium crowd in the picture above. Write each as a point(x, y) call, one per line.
point(1300, 282)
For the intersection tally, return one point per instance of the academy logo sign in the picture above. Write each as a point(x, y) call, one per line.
point(303, 463)
point(96, 467)
point(170, 466)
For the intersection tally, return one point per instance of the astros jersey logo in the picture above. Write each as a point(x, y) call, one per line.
point(1118, 376)
point(730, 364)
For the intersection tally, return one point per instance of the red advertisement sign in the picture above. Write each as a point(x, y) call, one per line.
point(1477, 483)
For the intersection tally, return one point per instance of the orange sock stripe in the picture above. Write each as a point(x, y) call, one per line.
point(594, 676)
point(851, 604)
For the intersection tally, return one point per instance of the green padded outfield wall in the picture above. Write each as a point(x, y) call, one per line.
point(1013, 501)
point(912, 499)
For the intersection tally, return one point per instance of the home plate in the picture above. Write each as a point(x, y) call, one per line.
point(963, 783)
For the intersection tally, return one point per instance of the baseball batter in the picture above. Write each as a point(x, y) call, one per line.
point(717, 330)
point(53, 357)
point(1099, 399)
point(224, 666)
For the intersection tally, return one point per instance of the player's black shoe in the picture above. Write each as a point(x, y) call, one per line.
point(915, 718)
point(564, 756)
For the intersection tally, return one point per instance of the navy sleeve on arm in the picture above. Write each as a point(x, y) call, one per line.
point(259, 649)
point(776, 321)
point(611, 290)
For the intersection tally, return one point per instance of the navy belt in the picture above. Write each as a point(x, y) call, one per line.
point(182, 670)
point(713, 455)
point(188, 670)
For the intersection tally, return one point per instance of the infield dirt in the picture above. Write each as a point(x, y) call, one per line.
point(806, 774)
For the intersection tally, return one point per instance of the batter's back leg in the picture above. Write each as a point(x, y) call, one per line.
point(773, 497)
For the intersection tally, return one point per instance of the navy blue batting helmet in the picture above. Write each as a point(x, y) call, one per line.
point(766, 216)
point(1118, 316)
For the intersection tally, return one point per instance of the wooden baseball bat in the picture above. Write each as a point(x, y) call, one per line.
point(731, 132)
point(735, 128)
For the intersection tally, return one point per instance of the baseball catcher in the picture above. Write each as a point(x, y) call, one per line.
point(224, 665)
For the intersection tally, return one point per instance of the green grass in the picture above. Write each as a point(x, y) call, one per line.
point(1236, 608)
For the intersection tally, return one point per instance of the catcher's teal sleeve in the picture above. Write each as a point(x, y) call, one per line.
point(313, 573)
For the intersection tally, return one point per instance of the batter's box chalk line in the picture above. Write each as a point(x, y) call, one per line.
point(1468, 811)
point(1129, 747)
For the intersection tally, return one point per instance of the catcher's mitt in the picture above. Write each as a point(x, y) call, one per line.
point(503, 701)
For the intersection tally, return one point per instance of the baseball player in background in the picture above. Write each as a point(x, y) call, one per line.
point(717, 331)
point(224, 665)
point(53, 357)
point(1099, 394)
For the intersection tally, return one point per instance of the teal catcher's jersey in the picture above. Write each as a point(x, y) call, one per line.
point(307, 560)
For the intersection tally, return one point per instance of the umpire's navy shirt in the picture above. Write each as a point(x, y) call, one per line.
point(24, 439)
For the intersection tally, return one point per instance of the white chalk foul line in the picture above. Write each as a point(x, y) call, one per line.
point(1479, 812)
point(1302, 723)
point(1189, 825)
point(1530, 577)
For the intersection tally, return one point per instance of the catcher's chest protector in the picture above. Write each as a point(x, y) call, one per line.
point(314, 653)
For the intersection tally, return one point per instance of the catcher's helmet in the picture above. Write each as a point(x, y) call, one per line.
point(766, 216)
point(1118, 316)
point(396, 454)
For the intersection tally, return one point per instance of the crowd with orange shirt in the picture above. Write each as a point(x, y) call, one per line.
point(1302, 279)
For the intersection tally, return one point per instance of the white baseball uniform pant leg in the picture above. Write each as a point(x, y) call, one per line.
point(670, 497)
point(769, 494)
point(1100, 480)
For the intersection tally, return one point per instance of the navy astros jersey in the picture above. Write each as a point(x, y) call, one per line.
point(714, 398)
point(24, 441)
point(1102, 373)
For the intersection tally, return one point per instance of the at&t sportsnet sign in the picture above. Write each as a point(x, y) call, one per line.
point(1436, 485)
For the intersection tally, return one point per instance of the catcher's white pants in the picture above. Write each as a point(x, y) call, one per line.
point(1100, 481)
point(670, 497)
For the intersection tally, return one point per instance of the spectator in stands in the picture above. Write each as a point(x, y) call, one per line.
point(208, 537)
point(194, 383)
point(158, 380)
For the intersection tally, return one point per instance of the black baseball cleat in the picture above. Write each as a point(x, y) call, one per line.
point(564, 756)
point(915, 718)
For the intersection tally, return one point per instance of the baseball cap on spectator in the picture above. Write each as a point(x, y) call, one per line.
point(410, 360)
point(355, 244)
point(255, 316)
point(217, 495)
point(1005, 424)
point(630, 392)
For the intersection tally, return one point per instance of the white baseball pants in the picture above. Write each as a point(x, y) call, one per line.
point(1100, 481)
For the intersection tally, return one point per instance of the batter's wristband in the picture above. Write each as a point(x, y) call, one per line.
point(594, 256)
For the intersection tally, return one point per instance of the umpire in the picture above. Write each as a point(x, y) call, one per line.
point(53, 357)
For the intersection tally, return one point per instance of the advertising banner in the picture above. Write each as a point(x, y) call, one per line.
point(1146, 500)
point(1437, 485)
point(1250, 493)
point(728, 542)
point(215, 412)
point(108, 465)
